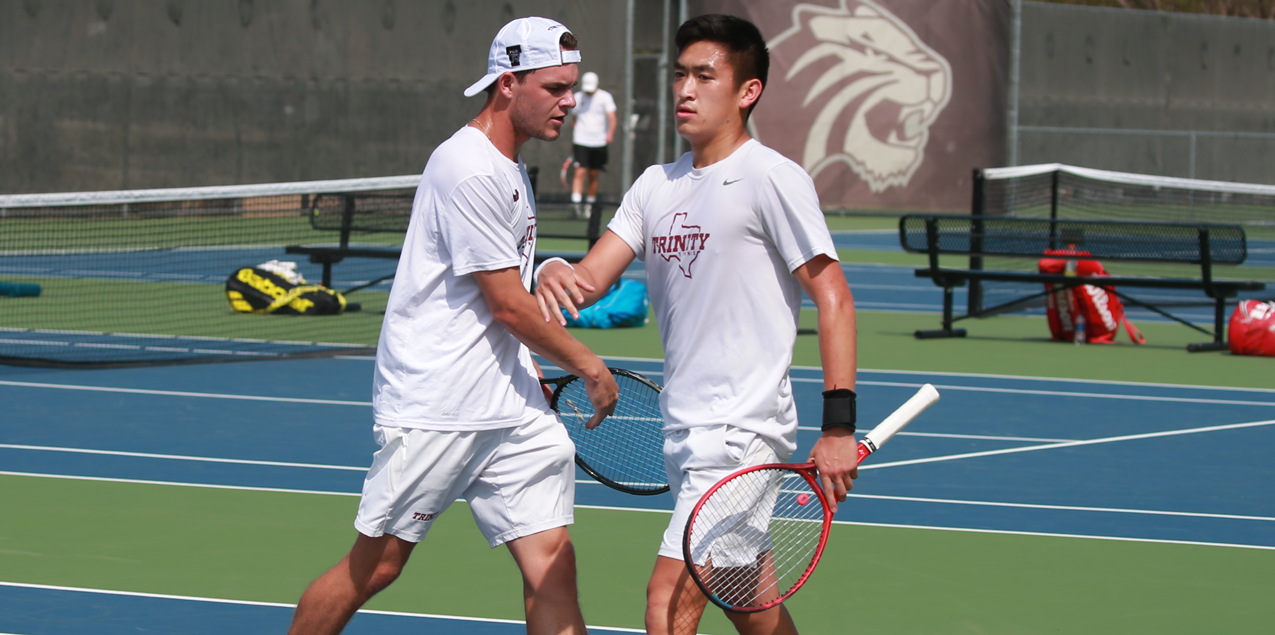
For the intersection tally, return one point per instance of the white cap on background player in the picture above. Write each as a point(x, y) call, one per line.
point(522, 45)
point(589, 82)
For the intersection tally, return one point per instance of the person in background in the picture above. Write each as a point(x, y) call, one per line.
point(594, 129)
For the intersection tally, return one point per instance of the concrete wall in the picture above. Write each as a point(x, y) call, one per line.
point(1085, 67)
point(110, 94)
point(1095, 67)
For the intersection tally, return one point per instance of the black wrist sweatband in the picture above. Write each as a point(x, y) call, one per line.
point(838, 409)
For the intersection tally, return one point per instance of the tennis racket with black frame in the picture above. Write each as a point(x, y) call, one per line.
point(756, 536)
point(626, 451)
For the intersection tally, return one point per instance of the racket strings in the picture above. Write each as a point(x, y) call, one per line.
point(756, 536)
point(628, 447)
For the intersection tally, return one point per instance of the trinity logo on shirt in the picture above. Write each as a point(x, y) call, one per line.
point(515, 196)
point(683, 243)
point(529, 238)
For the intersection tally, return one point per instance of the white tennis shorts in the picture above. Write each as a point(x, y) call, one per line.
point(696, 459)
point(518, 481)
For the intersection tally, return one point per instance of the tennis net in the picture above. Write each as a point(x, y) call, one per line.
point(134, 277)
point(1066, 192)
point(1062, 191)
point(138, 277)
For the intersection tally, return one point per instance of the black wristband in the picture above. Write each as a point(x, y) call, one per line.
point(838, 409)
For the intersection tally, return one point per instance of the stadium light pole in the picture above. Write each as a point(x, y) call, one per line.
point(682, 16)
point(626, 167)
point(661, 94)
point(1015, 55)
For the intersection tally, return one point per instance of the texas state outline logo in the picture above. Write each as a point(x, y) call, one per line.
point(683, 243)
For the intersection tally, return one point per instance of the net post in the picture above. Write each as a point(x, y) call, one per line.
point(978, 208)
point(1053, 195)
point(347, 221)
point(594, 230)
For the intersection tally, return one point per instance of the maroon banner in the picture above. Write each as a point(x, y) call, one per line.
point(888, 104)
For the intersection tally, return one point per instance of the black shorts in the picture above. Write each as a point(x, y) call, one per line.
point(592, 158)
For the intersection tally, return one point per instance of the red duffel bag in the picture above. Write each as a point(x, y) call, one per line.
point(1252, 328)
point(1102, 311)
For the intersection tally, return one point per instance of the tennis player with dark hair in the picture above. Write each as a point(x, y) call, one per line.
point(458, 409)
point(731, 234)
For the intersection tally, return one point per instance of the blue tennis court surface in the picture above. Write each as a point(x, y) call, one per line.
point(1001, 453)
point(1102, 460)
point(1117, 461)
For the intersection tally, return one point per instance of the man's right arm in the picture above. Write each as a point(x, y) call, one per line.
point(514, 309)
point(573, 287)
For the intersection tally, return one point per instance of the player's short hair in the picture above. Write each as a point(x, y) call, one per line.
point(567, 42)
point(745, 47)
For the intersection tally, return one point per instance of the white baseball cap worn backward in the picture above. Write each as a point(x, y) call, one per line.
point(589, 82)
point(522, 45)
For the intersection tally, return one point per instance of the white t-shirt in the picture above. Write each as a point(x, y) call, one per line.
point(443, 362)
point(591, 118)
point(720, 245)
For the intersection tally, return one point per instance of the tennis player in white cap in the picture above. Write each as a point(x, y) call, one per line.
point(458, 409)
point(592, 132)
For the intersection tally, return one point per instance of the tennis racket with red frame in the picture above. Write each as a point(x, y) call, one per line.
point(756, 536)
point(566, 170)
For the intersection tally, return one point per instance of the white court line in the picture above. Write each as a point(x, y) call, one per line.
point(1074, 508)
point(1045, 379)
point(136, 481)
point(927, 373)
point(1069, 444)
point(247, 488)
point(1020, 391)
point(1059, 393)
point(1042, 534)
point(189, 598)
point(179, 457)
point(942, 435)
point(174, 393)
point(660, 511)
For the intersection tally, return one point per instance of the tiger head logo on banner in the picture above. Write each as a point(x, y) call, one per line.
point(861, 90)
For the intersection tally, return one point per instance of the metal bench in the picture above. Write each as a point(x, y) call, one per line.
point(977, 237)
point(351, 214)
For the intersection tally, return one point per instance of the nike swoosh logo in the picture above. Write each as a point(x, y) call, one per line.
point(728, 181)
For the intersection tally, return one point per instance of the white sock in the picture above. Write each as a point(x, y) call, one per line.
point(575, 197)
point(591, 199)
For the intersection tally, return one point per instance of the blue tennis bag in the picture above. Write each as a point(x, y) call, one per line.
point(625, 305)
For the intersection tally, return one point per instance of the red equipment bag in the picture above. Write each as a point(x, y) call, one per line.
point(1252, 328)
point(1103, 311)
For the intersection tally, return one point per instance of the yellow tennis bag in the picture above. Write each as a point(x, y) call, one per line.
point(276, 287)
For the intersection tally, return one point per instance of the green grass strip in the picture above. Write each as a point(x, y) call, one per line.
point(266, 546)
point(174, 308)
